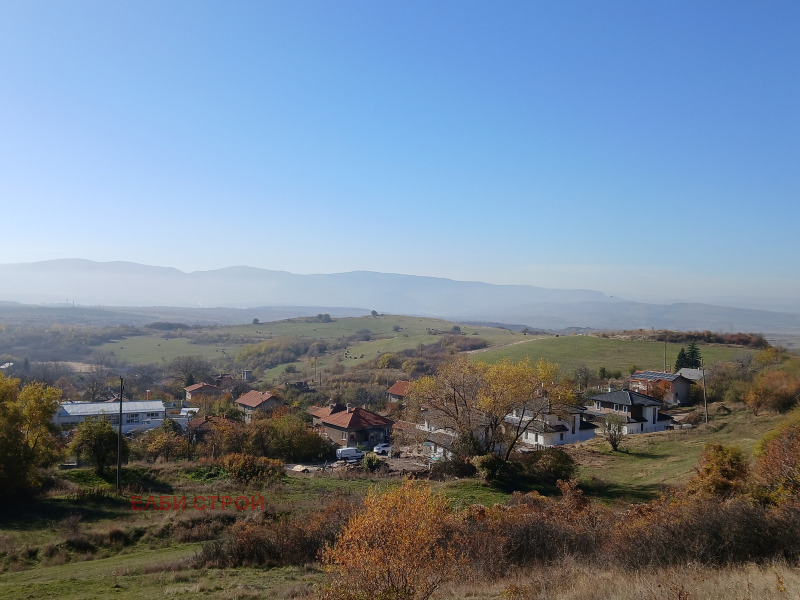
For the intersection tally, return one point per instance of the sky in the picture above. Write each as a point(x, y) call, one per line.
point(648, 150)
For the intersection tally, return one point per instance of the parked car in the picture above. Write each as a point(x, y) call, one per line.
point(382, 449)
point(349, 454)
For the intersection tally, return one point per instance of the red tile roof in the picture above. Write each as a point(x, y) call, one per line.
point(324, 411)
point(198, 386)
point(254, 399)
point(355, 419)
point(399, 389)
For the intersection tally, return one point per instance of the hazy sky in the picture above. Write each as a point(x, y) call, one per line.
point(644, 149)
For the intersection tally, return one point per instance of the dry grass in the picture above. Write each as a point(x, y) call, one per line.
point(579, 582)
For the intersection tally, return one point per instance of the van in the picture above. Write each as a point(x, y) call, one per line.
point(349, 454)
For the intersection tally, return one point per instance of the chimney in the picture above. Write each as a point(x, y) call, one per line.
point(349, 407)
point(148, 395)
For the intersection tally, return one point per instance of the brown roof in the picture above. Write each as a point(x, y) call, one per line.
point(254, 399)
point(203, 423)
point(198, 386)
point(355, 419)
point(399, 389)
point(325, 411)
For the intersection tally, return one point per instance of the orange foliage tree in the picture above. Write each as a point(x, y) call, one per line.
point(402, 546)
point(778, 465)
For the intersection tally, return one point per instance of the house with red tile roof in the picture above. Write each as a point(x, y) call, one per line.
point(201, 389)
point(351, 426)
point(255, 401)
point(398, 391)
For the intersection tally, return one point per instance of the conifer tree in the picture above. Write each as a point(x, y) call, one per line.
point(682, 360)
point(693, 357)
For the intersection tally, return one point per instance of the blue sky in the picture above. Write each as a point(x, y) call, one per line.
point(645, 149)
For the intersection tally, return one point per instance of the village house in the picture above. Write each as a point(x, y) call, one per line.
point(351, 426)
point(641, 412)
point(201, 389)
point(674, 386)
point(398, 392)
point(136, 415)
point(555, 427)
point(254, 402)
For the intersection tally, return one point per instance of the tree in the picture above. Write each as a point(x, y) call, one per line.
point(95, 441)
point(374, 314)
point(400, 546)
point(614, 429)
point(27, 437)
point(773, 390)
point(693, 357)
point(721, 471)
point(488, 408)
point(778, 465)
point(682, 362)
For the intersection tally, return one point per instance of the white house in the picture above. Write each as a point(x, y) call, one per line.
point(641, 412)
point(139, 416)
point(556, 427)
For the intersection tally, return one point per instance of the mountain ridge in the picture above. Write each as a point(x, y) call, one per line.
point(129, 284)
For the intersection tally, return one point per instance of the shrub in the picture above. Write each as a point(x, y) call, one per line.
point(251, 469)
point(545, 466)
point(371, 462)
point(490, 466)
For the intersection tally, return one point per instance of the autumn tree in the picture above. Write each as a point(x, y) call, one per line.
point(449, 402)
point(515, 395)
point(28, 439)
point(721, 471)
point(401, 545)
point(778, 452)
point(488, 408)
point(773, 390)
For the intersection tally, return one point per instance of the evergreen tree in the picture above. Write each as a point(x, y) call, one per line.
point(693, 356)
point(682, 360)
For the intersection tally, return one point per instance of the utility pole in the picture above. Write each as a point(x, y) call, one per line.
point(705, 400)
point(665, 357)
point(119, 438)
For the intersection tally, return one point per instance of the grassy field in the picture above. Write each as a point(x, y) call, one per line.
point(572, 352)
point(652, 463)
point(389, 333)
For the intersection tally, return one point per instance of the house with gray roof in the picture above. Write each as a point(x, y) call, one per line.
point(136, 416)
point(641, 412)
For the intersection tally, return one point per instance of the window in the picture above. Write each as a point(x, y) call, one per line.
point(625, 409)
point(344, 435)
point(132, 418)
point(616, 408)
point(152, 415)
point(597, 404)
point(561, 437)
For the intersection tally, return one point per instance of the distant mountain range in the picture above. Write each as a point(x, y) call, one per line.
point(124, 284)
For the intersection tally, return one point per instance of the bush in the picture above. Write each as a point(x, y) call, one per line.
point(545, 466)
point(371, 462)
point(251, 469)
point(454, 467)
point(490, 466)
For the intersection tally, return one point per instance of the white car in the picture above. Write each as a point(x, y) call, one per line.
point(382, 449)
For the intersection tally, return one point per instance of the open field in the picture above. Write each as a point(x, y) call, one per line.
point(649, 464)
point(572, 352)
point(388, 333)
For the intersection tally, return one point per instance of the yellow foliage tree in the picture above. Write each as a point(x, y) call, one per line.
point(401, 546)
